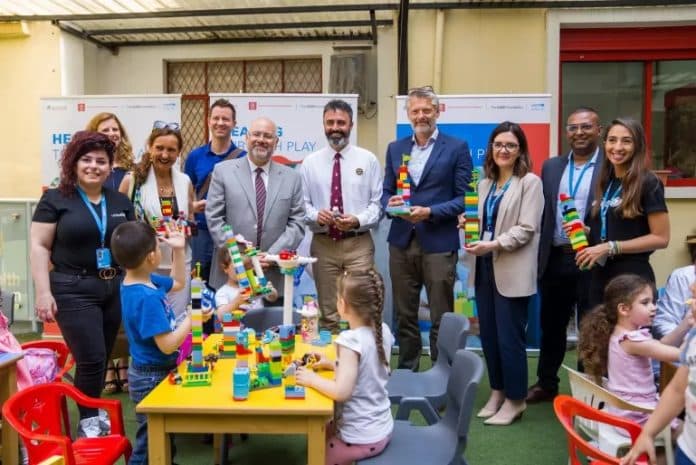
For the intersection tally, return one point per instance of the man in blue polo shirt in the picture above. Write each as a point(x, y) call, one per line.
point(199, 167)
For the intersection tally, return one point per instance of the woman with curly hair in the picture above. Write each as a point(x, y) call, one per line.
point(615, 340)
point(71, 230)
point(158, 190)
point(109, 125)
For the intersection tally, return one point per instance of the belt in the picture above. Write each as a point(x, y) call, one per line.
point(565, 248)
point(347, 234)
point(105, 274)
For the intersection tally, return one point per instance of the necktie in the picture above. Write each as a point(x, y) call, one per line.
point(336, 196)
point(260, 205)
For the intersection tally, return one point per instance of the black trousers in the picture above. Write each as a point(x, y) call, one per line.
point(89, 315)
point(563, 287)
point(622, 264)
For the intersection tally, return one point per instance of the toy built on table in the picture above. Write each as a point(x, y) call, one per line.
point(289, 261)
point(403, 188)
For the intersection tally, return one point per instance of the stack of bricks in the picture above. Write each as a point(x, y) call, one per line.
point(198, 372)
point(571, 219)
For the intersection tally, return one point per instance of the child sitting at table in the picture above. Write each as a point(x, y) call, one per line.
point(148, 318)
point(229, 296)
point(363, 421)
point(615, 339)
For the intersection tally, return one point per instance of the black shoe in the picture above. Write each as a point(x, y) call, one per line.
point(536, 394)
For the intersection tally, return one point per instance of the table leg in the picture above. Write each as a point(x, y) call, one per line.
point(316, 441)
point(158, 446)
point(10, 441)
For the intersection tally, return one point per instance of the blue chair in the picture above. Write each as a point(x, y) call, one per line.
point(432, 383)
point(443, 441)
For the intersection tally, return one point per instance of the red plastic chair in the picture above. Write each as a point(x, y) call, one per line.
point(35, 413)
point(568, 408)
point(65, 359)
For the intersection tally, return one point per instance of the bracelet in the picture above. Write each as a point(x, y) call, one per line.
point(612, 248)
point(618, 247)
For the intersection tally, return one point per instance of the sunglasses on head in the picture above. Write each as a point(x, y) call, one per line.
point(164, 125)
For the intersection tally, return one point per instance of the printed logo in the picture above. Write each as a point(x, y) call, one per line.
point(359, 171)
point(252, 105)
point(442, 107)
point(81, 107)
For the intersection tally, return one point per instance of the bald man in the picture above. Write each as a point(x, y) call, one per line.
point(259, 198)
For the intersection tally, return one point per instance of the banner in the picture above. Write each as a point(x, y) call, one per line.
point(63, 116)
point(473, 118)
point(299, 118)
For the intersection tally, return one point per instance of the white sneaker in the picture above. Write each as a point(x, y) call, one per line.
point(89, 428)
point(104, 423)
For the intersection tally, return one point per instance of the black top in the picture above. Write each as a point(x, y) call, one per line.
point(652, 200)
point(114, 180)
point(77, 236)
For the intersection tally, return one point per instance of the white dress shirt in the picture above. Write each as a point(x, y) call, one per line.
point(420, 156)
point(361, 185)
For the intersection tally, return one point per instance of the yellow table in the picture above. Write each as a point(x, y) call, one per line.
point(8, 386)
point(211, 409)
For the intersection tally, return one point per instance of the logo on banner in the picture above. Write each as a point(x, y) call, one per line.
point(537, 106)
point(252, 105)
point(442, 107)
point(81, 107)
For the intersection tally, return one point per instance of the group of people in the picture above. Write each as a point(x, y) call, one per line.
point(340, 193)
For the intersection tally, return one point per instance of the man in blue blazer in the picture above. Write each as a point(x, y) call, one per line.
point(563, 286)
point(423, 239)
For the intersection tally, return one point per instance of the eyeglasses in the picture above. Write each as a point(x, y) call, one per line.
point(262, 135)
point(159, 124)
point(509, 146)
point(585, 127)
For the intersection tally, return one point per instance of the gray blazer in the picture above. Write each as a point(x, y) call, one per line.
point(232, 201)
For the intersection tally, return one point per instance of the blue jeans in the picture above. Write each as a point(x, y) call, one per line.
point(142, 379)
point(680, 458)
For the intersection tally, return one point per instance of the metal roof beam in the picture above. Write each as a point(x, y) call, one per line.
point(373, 20)
point(68, 29)
point(334, 37)
point(242, 27)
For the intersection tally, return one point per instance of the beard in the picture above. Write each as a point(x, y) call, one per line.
point(337, 140)
point(261, 154)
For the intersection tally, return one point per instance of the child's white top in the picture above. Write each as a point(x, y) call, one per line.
point(366, 417)
point(687, 440)
point(227, 294)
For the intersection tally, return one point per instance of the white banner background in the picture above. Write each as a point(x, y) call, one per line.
point(63, 116)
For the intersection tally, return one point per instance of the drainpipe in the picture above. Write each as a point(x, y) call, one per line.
point(437, 54)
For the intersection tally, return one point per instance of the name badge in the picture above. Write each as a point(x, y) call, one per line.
point(103, 258)
point(487, 236)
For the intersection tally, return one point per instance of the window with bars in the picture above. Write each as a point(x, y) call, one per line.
point(196, 79)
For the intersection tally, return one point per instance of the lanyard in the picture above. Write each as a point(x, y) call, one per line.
point(491, 201)
point(573, 189)
point(101, 224)
point(607, 198)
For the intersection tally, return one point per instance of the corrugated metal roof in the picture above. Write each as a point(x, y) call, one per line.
point(114, 23)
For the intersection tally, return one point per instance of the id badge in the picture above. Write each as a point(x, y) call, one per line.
point(103, 258)
point(487, 236)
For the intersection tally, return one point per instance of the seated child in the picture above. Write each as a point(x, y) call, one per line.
point(228, 297)
point(615, 339)
point(148, 318)
point(364, 423)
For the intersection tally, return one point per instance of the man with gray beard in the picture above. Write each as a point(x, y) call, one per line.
point(342, 186)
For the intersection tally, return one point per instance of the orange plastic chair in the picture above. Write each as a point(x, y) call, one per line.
point(65, 359)
point(568, 408)
point(35, 413)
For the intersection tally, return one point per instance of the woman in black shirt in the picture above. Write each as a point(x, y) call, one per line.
point(71, 230)
point(629, 218)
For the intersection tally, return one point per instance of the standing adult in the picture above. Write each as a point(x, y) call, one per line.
point(511, 203)
point(259, 198)
point(71, 229)
point(159, 190)
point(423, 244)
point(342, 186)
point(109, 125)
point(563, 286)
point(629, 219)
point(199, 167)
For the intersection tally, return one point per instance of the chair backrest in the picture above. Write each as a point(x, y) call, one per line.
point(7, 305)
point(260, 319)
point(467, 370)
point(64, 358)
point(586, 390)
point(569, 409)
point(454, 329)
point(37, 410)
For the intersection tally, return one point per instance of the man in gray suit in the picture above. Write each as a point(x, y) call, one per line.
point(260, 199)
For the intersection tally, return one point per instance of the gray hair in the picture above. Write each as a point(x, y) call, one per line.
point(426, 92)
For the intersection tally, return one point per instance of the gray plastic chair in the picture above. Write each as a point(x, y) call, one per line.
point(432, 383)
point(444, 440)
point(260, 319)
point(7, 305)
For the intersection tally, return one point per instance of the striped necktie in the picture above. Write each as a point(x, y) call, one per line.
point(260, 205)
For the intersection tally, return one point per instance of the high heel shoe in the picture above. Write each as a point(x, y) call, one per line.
point(111, 386)
point(503, 420)
point(487, 412)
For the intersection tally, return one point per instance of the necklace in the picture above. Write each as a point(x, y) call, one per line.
point(166, 190)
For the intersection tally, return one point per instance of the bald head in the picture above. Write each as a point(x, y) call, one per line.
point(261, 140)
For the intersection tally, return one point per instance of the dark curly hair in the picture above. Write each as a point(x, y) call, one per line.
point(82, 142)
point(598, 325)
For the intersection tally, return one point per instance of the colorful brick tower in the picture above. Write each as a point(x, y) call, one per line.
point(472, 222)
point(198, 372)
point(571, 219)
point(403, 188)
point(236, 256)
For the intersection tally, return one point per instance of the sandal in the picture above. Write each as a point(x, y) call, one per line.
point(113, 385)
point(122, 376)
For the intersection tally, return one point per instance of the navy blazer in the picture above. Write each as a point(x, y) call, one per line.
point(551, 174)
point(445, 180)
